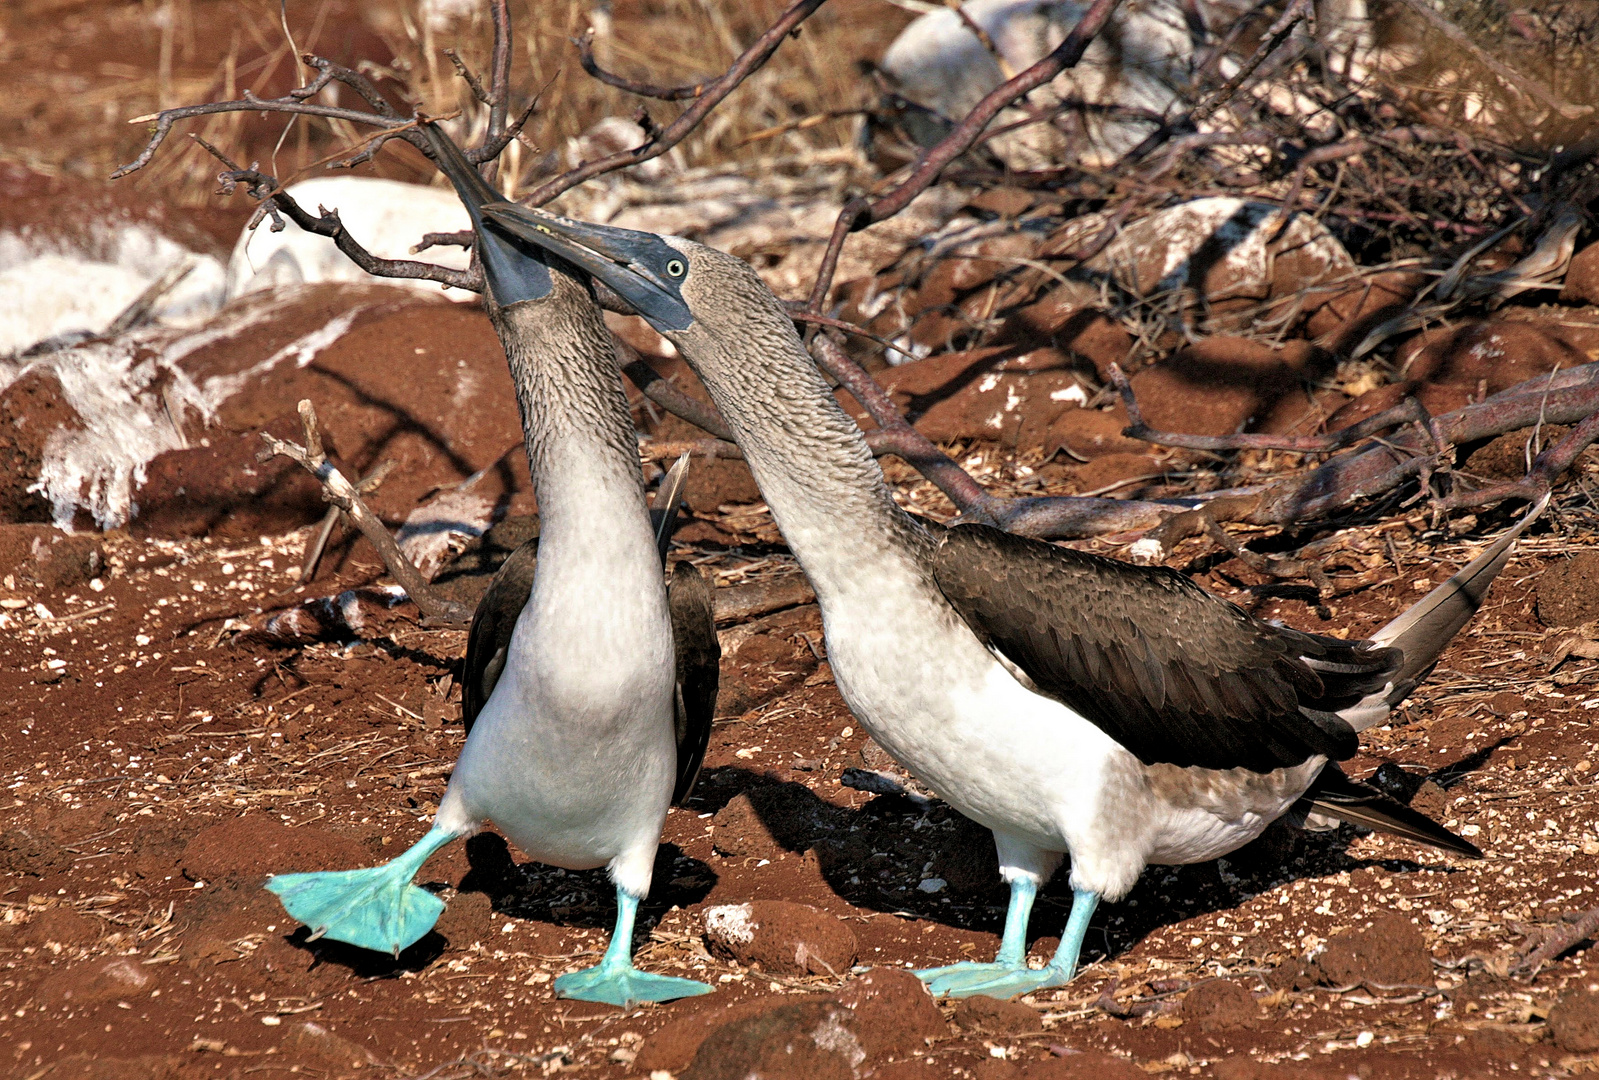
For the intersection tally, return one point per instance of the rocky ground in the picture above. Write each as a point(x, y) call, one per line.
point(165, 749)
point(183, 711)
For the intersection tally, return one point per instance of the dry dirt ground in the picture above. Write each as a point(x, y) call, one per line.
point(161, 757)
point(179, 717)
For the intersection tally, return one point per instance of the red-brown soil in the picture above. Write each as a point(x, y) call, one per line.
point(161, 758)
point(179, 717)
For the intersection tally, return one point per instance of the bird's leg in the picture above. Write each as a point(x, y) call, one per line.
point(614, 980)
point(377, 908)
point(1012, 956)
point(1064, 962)
point(1021, 979)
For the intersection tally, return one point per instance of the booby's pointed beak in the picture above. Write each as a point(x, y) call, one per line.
point(512, 274)
point(640, 267)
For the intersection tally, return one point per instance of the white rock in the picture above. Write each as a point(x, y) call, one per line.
point(731, 923)
point(387, 217)
point(132, 396)
point(1137, 62)
point(55, 287)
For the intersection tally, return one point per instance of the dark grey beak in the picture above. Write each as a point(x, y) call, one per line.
point(513, 274)
point(639, 267)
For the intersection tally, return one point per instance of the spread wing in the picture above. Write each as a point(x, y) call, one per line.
point(1169, 671)
point(699, 656)
point(489, 638)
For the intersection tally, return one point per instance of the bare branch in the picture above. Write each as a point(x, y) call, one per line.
point(585, 54)
point(1292, 15)
point(1545, 470)
point(1566, 397)
point(291, 102)
point(327, 223)
point(444, 239)
point(313, 552)
point(499, 70)
point(465, 73)
point(343, 494)
point(747, 63)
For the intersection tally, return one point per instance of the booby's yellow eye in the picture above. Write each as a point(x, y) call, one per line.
point(675, 268)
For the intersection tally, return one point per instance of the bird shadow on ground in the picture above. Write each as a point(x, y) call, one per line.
point(894, 854)
point(366, 964)
point(534, 890)
point(524, 890)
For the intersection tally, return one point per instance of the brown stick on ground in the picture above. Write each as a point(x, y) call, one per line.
point(337, 489)
point(313, 552)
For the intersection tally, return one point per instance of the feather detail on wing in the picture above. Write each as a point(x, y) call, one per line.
point(699, 657)
point(1358, 803)
point(488, 641)
point(1169, 671)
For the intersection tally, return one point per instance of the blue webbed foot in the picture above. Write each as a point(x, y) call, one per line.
point(377, 908)
point(991, 980)
point(614, 980)
point(1009, 976)
point(946, 981)
point(624, 985)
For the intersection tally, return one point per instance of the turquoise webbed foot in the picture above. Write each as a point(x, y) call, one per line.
point(614, 980)
point(1009, 976)
point(624, 985)
point(377, 908)
point(991, 980)
point(952, 979)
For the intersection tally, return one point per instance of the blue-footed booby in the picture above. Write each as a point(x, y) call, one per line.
point(584, 729)
point(1071, 703)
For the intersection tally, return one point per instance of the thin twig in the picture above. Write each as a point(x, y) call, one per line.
point(858, 213)
point(339, 491)
point(748, 62)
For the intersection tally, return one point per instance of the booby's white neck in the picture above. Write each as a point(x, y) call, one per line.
point(826, 492)
point(580, 441)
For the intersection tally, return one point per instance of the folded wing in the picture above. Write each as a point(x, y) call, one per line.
point(1169, 671)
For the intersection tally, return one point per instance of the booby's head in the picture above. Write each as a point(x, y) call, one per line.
point(513, 272)
point(675, 284)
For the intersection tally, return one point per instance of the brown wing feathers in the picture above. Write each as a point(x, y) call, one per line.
point(1169, 671)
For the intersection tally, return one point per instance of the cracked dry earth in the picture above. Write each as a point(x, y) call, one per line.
point(160, 755)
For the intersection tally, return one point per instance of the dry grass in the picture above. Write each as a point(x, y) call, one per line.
point(78, 71)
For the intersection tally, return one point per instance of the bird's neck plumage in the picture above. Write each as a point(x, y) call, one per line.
point(580, 440)
point(815, 471)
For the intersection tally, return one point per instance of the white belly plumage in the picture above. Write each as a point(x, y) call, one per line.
point(1031, 769)
point(574, 756)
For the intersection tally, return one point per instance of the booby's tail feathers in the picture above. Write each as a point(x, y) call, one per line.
point(377, 908)
point(668, 498)
point(1336, 795)
point(1424, 630)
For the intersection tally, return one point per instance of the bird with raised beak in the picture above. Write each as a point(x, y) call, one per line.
point(1071, 703)
point(589, 690)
